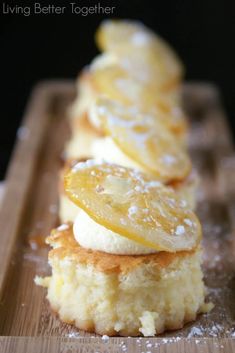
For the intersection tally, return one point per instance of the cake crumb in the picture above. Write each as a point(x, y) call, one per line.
point(105, 338)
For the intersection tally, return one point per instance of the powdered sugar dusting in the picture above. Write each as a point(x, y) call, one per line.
point(140, 39)
point(168, 159)
point(180, 230)
point(63, 227)
point(188, 222)
point(132, 210)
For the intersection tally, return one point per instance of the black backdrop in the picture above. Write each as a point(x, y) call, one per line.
point(36, 47)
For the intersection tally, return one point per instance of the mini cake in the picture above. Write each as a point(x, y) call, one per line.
point(159, 153)
point(121, 294)
point(140, 69)
point(138, 139)
point(111, 81)
point(130, 264)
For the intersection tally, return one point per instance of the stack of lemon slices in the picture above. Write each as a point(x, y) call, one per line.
point(127, 258)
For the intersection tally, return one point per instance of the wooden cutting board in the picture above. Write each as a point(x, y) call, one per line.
point(29, 211)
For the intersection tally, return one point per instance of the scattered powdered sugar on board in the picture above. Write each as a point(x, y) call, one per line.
point(219, 277)
point(37, 260)
point(105, 338)
point(74, 334)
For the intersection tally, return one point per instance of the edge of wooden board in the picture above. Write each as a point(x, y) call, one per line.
point(118, 345)
point(22, 166)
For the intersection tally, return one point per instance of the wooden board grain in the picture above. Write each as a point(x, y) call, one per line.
point(30, 210)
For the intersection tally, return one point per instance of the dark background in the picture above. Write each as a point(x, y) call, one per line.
point(58, 46)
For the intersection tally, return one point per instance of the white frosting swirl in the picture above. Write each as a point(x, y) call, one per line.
point(94, 236)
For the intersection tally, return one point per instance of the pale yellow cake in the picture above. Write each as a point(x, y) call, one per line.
point(120, 294)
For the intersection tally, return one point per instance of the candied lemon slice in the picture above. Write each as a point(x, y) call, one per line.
point(113, 82)
point(137, 44)
point(144, 138)
point(130, 204)
point(169, 106)
point(145, 68)
point(116, 82)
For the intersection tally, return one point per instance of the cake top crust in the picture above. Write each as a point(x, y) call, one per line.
point(65, 246)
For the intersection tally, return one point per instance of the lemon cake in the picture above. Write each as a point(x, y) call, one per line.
point(134, 138)
point(131, 262)
point(105, 81)
point(121, 294)
point(147, 74)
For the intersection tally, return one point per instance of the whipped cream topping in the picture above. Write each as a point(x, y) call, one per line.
point(94, 236)
point(106, 148)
